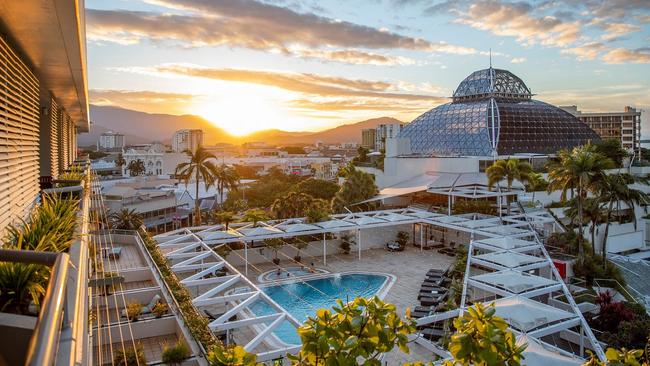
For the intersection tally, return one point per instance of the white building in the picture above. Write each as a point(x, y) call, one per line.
point(110, 141)
point(152, 158)
point(384, 132)
point(187, 139)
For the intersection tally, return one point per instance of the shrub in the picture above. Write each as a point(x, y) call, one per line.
point(132, 356)
point(611, 313)
point(176, 354)
point(133, 311)
point(402, 238)
point(160, 309)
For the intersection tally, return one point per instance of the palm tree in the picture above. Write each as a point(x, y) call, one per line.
point(508, 170)
point(294, 204)
point(136, 167)
point(199, 167)
point(225, 218)
point(614, 189)
point(582, 169)
point(536, 182)
point(591, 212)
point(358, 187)
point(126, 219)
point(255, 215)
point(119, 162)
point(227, 178)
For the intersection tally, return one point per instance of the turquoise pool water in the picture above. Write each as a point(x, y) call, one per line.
point(302, 299)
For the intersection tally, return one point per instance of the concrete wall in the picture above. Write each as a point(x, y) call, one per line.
point(400, 169)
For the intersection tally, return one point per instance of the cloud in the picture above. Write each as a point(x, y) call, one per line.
point(518, 60)
point(304, 83)
point(616, 30)
point(142, 100)
point(353, 57)
point(623, 55)
point(519, 20)
point(339, 105)
point(253, 25)
point(587, 51)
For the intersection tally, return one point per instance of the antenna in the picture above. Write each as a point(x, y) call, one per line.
point(490, 57)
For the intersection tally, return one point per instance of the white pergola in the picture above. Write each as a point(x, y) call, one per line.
point(510, 256)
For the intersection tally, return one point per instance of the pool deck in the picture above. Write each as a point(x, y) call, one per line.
point(408, 267)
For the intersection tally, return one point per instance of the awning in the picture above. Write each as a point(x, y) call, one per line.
point(526, 315)
point(539, 354)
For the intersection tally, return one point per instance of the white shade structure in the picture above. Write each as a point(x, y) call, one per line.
point(508, 259)
point(515, 282)
point(526, 315)
point(505, 242)
point(392, 216)
point(334, 224)
point(359, 219)
point(259, 231)
point(507, 230)
point(538, 353)
point(219, 235)
point(296, 227)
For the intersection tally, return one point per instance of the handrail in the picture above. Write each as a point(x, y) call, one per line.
point(44, 343)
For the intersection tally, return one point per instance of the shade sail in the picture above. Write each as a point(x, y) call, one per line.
point(507, 242)
point(539, 354)
point(509, 259)
point(526, 315)
point(514, 281)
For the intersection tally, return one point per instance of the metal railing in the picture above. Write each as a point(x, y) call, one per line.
point(44, 341)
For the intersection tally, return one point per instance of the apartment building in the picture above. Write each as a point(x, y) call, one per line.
point(44, 103)
point(187, 140)
point(110, 141)
point(151, 156)
point(625, 125)
point(368, 137)
point(386, 131)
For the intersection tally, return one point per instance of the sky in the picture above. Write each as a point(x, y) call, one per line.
point(310, 65)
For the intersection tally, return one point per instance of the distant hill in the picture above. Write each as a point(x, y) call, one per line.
point(140, 127)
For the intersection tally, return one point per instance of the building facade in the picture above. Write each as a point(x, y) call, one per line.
point(187, 140)
point(386, 131)
point(152, 158)
point(110, 141)
point(368, 136)
point(624, 126)
point(44, 100)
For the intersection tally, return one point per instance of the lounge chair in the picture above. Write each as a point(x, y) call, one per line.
point(112, 253)
point(212, 316)
point(432, 333)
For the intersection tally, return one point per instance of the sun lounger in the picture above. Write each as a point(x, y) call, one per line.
point(432, 333)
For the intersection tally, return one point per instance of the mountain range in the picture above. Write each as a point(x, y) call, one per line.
point(140, 127)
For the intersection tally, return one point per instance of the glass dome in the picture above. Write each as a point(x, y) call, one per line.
point(492, 113)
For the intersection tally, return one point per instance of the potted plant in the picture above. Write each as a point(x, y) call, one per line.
point(274, 244)
point(130, 356)
point(402, 238)
point(176, 354)
point(133, 311)
point(346, 243)
point(160, 309)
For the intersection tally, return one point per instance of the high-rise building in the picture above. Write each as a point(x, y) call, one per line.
point(44, 98)
point(386, 131)
point(624, 126)
point(110, 141)
point(187, 140)
point(368, 138)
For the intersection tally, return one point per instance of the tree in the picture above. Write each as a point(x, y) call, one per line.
point(199, 167)
point(591, 212)
point(318, 212)
point(581, 168)
point(120, 160)
point(358, 187)
point(225, 218)
point(613, 149)
point(227, 178)
point(614, 189)
point(362, 154)
point(229, 356)
point(245, 171)
point(296, 205)
point(356, 333)
point(255, 215)
point(136, 167)
point(536, 182)
point(482, 338)
point(317, 188)
point(126, 219)
point(508, 170)
point(274, 244)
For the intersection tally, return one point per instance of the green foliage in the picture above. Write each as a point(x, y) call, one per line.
point(566, 241)
point(482, 338)
point(622, 357)
point(245, 171)
point(474, 206)
point(402, 238)
point(76, 174)
point(133, 310)
point(132, 356)
point(274, 244)
point(357, 333)
point(126, 219)
point(255, 215)
point(588, 267)
point(232, 356)
point(20, 284)
point(346, 242)
point(263, 192)
point(225, 218)
point(358, 187)
point(226, 178)
point(176, 354)
point(612, 149)
point(317, 188)
point(296, 204)
point(508, 170)
point(160, 309)
point(92, 154)
point(136, 167)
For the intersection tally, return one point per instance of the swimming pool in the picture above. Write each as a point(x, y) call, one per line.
point(302, 299)
point(285, 273)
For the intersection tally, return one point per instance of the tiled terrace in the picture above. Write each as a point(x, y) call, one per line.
point(153, 348)
point(130, 257)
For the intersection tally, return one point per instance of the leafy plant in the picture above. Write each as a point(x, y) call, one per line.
point(402, 238)
point(74, 177)
point(126, 219)
point(133, 311)
point(346, 243)
point(508, 170)
point(274, 244)
point(200, 167)
point(160, 309)
point(363, 330)
point(176, 354)
point(358, 186)
point(20, 284)
point(482, 338)
point(132, 356)
point(229, 356)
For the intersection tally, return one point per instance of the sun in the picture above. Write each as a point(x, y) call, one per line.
point(241, 114)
